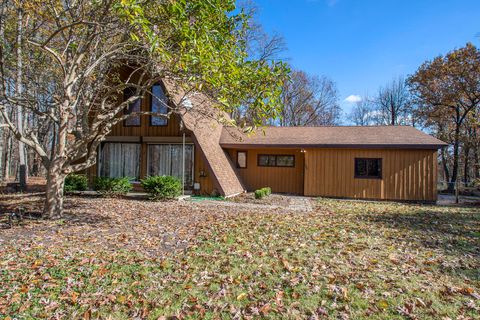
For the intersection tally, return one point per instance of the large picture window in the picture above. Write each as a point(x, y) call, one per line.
point(135, 106)
point(158, 104)
point(368, 168)
point(166, 159)
point(274, 160)
point(118, 160)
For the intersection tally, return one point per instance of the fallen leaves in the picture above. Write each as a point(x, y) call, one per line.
point(345, 260)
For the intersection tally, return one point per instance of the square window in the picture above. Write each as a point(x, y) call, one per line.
point(368, 168)
point(285, 161)
point(117, 160)
point(265, 160)
point(241, 159)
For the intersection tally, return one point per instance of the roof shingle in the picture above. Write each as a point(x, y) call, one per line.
point(404, 137)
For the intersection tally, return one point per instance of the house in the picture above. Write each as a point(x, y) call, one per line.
point(381, 162)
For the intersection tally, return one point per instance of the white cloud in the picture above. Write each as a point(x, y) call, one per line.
point(353, 98)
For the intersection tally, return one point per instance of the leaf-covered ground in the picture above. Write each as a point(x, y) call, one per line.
point(123, 259)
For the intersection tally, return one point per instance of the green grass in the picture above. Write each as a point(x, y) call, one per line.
point(346, 259)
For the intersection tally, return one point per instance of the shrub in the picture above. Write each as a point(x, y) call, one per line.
point(476, 183)
point(262, 193)
point(75, 182)
point(162, 187)
point(112, 187)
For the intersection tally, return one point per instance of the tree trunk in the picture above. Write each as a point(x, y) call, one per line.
point(22, 172)
point(466, 164)
point(476, 167)
point(53, 208)
point(456, 149)
point(446, 172)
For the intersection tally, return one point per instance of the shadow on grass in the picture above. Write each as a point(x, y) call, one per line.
point(76, 209)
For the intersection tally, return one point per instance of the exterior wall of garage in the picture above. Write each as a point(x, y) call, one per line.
point(409, 175)
point(280, 179)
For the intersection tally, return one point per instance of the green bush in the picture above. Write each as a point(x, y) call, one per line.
point(476, 183)
point(75, 182)
point(111, 187)
point(162, 187)
point(262, 193)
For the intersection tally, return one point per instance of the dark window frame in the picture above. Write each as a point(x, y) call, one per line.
point(246, 159)
point(162, 86)
point(126, 111)
point(276, 164)
point(368, 176)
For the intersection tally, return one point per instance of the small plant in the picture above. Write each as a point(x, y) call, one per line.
point(112, 187)
point(75, 182)
point(476, 183)
point(262, 193)
point(162, 187)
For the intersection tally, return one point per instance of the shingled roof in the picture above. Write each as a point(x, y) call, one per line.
point(205, 122)
point(398, 137)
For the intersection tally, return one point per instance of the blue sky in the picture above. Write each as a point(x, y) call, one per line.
point(363, 44)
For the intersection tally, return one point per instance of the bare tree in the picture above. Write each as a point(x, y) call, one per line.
point(80, 57)
point(447, 90)
point(363, 112)
point(393, 103)
point(309, 101)
point(261, 45)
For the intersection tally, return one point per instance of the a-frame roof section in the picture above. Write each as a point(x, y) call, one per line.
point(205, 122)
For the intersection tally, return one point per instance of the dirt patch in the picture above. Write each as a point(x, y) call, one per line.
point(273, 199)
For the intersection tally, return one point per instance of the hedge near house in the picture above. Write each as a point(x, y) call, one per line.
point(262, 193)
point(162, 187)
point(113, 187)
point(76, 182)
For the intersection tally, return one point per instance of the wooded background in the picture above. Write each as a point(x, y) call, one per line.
point(442, 98)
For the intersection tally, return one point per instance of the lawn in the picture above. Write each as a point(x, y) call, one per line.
point(123, 259)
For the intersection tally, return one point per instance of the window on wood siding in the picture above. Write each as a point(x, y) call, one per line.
point(368, 168)
point(273, 160)
point(242, 159)
point(134, 106)
point(166, 159)
point(118, 160)
point(158, 104)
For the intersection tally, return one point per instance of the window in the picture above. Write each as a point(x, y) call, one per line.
point(368, 168)
point(158, 104)
point(272, 160)
point(241, 159)
point(166, 159)
point(134, 106)
point(285, 161)
point(118, 160)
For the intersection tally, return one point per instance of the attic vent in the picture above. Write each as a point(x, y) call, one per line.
point(187, 103)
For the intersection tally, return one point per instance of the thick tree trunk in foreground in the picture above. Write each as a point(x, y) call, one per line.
point(53, 208)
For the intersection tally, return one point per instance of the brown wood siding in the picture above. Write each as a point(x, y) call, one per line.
point(172, 129)
point(280, 179)
point(406, 174)
point(207, 186)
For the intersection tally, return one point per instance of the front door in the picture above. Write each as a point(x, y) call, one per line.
point(166, 160)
